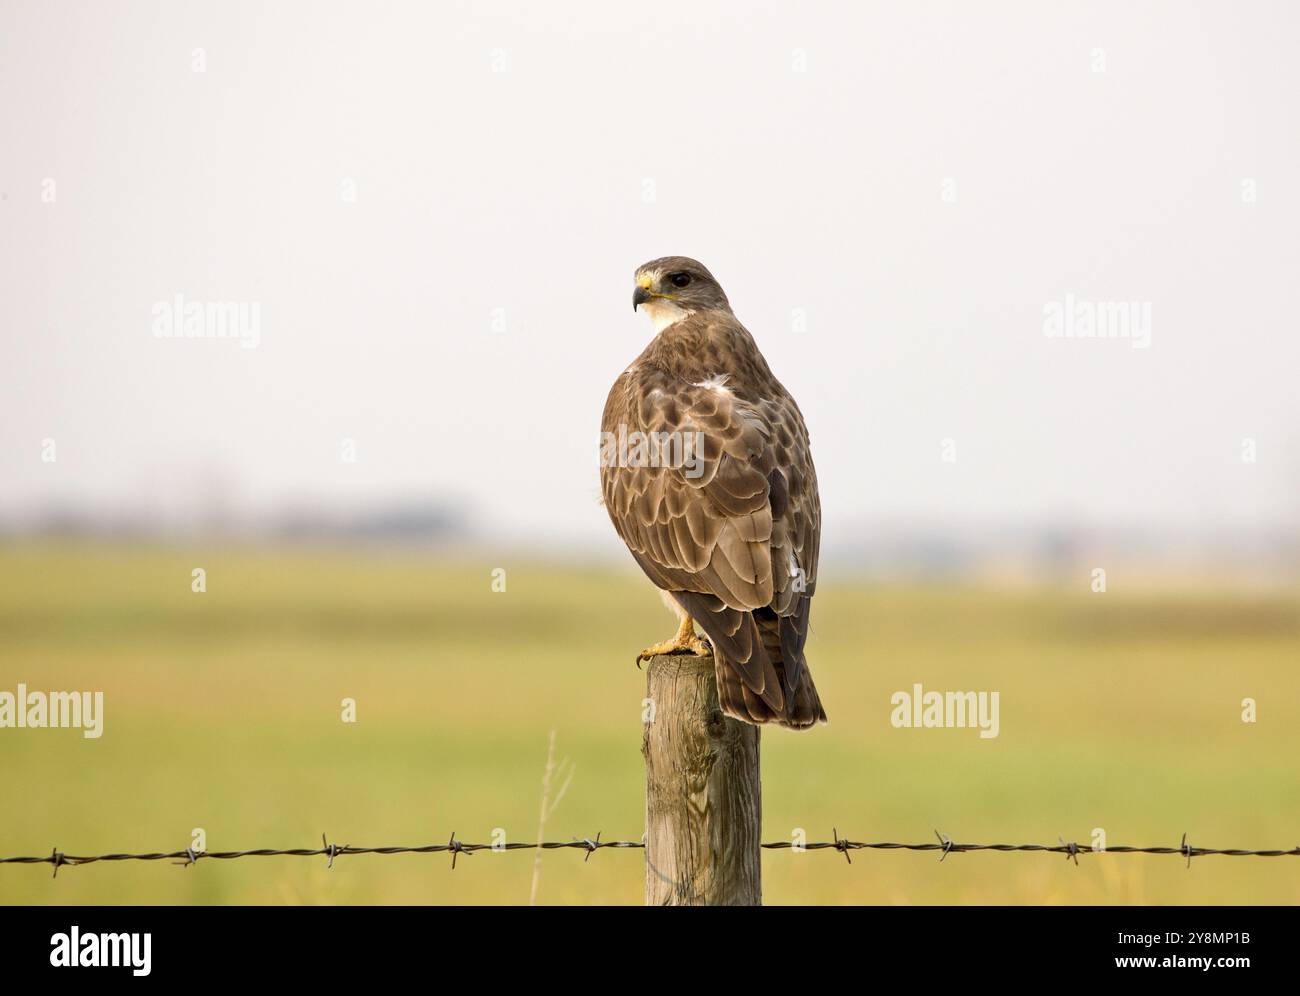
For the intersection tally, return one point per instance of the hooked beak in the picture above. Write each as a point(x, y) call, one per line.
point(640, 296)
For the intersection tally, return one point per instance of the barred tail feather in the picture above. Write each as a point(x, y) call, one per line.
point(803, 705)
point(759, 660)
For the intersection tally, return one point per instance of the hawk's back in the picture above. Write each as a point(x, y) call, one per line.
point(732, 528)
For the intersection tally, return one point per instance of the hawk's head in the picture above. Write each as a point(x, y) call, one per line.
point(673, 287)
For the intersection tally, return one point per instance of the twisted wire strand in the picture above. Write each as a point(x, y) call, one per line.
point(456, 847)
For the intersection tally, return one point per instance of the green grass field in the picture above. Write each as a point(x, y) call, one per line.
point(222, 711)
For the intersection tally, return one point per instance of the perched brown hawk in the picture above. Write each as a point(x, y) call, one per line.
point(707, 476)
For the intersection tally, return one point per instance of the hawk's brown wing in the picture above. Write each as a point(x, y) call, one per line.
point(733, 535)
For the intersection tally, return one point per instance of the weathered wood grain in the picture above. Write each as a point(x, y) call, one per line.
point(703, 792)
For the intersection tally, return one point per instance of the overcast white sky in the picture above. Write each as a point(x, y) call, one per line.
point(501, 156)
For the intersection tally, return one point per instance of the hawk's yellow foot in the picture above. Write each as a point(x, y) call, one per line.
point(685, 642)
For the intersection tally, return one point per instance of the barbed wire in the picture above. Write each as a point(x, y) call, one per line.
point(456, 847)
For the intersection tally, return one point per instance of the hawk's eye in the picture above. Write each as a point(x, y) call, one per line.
point(680, 279)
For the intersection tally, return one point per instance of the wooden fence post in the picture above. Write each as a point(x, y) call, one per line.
point(703, 805)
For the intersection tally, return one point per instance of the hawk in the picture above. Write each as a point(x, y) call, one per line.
point(707, 477)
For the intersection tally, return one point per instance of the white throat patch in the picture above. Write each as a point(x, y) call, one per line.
point(662, 313)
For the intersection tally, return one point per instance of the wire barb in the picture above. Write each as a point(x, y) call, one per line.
point(947, 844)
point(1071, 851)
point(841, 845)
point(332, 851)
point(456, 848)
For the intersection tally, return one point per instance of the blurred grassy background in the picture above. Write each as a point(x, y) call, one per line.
point(222, 711)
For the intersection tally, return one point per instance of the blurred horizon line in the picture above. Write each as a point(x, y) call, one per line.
point(874, 547)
